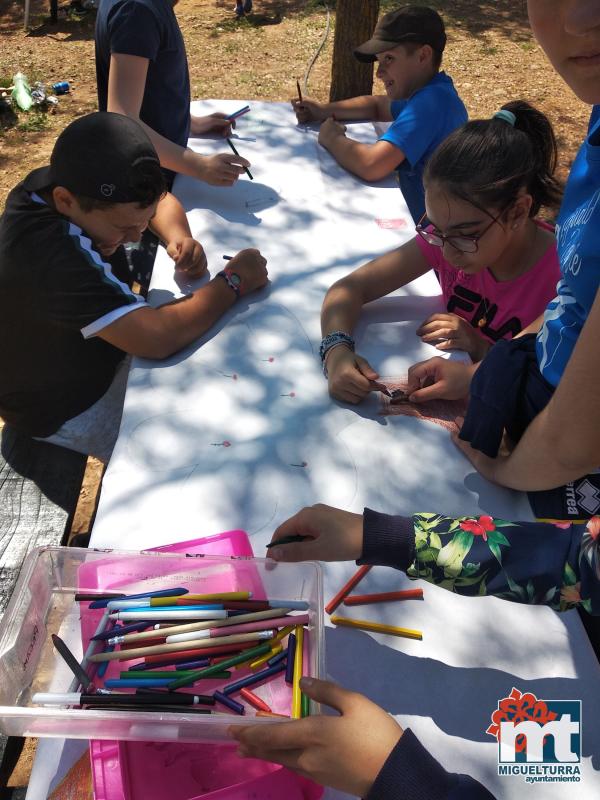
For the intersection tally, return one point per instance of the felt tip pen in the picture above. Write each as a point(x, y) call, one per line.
point(177, 592)
point(156, 614)
point(88, 597)
point(76, 699)
point(246, 170)
point(227, 258)
point(256, 677)
point(239, 113)
point(70, 660)
point(134, 605)
point(121, 630)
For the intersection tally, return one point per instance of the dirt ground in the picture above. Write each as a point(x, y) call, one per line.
point(491, 56)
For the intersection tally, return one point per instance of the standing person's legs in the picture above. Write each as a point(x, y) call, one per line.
point(94, 431)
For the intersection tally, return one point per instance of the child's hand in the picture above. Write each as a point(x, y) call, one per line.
point(188, 255)
point(329, 131)
point(346, 752)
point(349, 375)
point(251, 266)
point(439, 379)
point(308, 110)
point(456, 334)
point(332, 535)
point(213, 123)
point(222, 169)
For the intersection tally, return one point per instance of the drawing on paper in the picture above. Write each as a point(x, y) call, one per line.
point(440, 412)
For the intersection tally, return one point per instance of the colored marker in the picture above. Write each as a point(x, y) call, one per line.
point(376, 627)
point(246, 170)
point(227, 258)
point(165, 673)
point(101, 672)
point(239, 113)
point(383, 597)
point(298, 667)
point(120, 630)
point(159, 593)
point(172, 605)
point(180, 613)
point(85, 597)
point(76, 699)
point(104, 621)
point(347, 588)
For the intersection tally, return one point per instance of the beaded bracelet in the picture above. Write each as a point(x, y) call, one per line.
point(333, 340)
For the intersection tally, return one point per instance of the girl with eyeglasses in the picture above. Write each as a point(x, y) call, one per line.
point(496, 262)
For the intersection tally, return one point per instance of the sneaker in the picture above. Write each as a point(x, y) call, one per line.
point(248, 6)
point(239, 8)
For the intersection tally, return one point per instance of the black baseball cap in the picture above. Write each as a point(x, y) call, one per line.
point(407, 24)
point(97, 156)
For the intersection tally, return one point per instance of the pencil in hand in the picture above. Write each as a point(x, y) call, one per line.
point(299, 91)
point(246, 170)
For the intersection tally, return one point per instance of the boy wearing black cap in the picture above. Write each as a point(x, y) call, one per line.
point(68, 315)
point(420, 101)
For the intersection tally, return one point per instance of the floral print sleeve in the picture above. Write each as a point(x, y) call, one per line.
point(541, 563)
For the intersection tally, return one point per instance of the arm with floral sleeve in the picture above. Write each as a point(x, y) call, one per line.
point(527, 562)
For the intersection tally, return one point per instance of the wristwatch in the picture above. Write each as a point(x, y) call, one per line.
point(232, 279)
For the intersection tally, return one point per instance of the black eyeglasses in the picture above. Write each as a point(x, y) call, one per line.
point(464, 244)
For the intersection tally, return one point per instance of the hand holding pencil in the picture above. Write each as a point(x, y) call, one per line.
point(331, 535)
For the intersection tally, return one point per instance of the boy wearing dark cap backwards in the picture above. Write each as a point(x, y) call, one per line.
point(67, 314)
point(421, 102)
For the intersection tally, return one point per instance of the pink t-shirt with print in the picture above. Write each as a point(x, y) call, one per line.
point(507, 306)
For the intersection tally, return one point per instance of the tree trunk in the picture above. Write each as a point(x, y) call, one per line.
point(354, 24)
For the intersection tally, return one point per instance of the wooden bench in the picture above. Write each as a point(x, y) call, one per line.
point(39, 488)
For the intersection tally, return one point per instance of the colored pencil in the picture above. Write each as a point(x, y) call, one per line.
point(245, 627)
point(222, 650)
point(125, 655)
point(347, 588)
point(290, 658)
point(298, 667)
point(239, 113)
point(173, 605)
point(299, 90)
point(268, 613)
point(246, 170)
point(271, 714)
point(215, 597)
point(88, 597)
point(248, 655)
point(383, 597)
point(227, 258)
point(376, 627)
point(156, 698)
point(171, 674)
point(229, 702)
point(92, 645)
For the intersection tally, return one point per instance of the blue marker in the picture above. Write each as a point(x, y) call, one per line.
point(104, 665)
point(121, 630)
point(136, 683)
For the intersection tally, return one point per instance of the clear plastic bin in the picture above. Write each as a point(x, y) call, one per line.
point(43, 603)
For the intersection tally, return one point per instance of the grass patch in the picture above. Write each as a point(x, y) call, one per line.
point(34, 121)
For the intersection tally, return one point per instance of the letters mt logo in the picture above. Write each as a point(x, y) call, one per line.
point(540, 739)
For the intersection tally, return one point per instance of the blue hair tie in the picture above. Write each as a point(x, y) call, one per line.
point(506, 115)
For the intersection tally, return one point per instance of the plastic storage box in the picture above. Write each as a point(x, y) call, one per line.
point(43, 603)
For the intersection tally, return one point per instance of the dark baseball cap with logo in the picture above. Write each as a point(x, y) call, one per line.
point(417, 24)
point(100, 156)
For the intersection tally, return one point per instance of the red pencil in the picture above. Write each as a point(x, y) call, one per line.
point(382, 597)
point(201, 652)
point(347, 588)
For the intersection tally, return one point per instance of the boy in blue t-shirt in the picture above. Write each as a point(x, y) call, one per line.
point(420, 101)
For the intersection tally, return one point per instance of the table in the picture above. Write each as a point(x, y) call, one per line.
point(239, 431)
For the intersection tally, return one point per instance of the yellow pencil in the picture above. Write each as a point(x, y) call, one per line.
point(298, 665)
point(281, 634)
point(377, 627)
